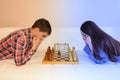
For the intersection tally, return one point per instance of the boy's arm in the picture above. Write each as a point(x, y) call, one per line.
point(22, 55)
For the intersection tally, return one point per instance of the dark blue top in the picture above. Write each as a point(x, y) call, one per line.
point(101, 53)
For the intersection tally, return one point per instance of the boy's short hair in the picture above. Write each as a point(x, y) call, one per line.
point(43, 25)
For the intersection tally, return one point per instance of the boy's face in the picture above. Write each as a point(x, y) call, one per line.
point(40, 35)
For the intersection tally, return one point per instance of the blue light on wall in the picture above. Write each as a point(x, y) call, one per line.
point(74, 12)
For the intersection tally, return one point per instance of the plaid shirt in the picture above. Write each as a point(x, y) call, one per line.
point(17, 45)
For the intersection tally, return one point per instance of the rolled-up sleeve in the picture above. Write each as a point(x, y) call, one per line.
point(22, 54)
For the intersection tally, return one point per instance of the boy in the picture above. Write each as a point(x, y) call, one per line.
point(22, 44)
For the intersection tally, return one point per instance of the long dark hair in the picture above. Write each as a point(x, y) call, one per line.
point(102, 40)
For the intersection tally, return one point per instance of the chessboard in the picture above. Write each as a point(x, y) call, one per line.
point(61, 53)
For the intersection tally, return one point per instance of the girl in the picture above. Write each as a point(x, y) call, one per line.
point(100, 46)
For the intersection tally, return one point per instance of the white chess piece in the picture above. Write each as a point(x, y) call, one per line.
point(74, 54)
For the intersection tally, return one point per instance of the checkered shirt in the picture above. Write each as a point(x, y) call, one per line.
point(17, 45)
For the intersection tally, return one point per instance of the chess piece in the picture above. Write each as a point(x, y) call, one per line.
point(74, 54)
point(59, 53)
point(52, 52)
point(48, 49)
point(48, 56)
point(70, 54)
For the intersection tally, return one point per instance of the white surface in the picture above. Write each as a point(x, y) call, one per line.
point(35, 70)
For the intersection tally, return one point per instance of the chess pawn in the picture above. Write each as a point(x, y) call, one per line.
point(59, 53)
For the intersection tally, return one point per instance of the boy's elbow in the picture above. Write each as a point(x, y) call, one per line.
point(20, 64)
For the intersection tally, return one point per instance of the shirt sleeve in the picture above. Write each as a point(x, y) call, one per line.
point(22, 55)
point(101, 52)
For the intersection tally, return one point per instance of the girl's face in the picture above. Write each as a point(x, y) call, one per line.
point(86, 38)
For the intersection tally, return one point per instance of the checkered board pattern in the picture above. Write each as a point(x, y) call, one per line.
point(63, 58)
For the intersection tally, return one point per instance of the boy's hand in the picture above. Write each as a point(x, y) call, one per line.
point(35, 43)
